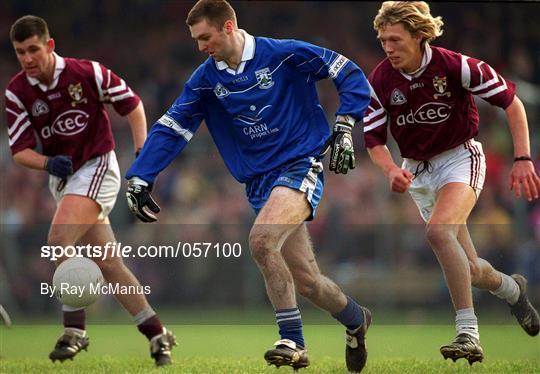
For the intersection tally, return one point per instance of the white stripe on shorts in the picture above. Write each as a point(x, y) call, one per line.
point(475, 162)
point(97, 179)
point(310, 181)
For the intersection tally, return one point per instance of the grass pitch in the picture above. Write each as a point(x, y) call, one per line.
point(240, 348)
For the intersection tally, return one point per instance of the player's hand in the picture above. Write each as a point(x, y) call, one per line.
point(400, 179)
point(60, 166)
point(140, 201)
point(341, 148)
point(524, 175)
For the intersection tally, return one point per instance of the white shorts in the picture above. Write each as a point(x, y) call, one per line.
point(465, 163)
point(98, 179)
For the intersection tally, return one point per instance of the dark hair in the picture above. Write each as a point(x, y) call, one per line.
point(216, 12)
point(27, 27)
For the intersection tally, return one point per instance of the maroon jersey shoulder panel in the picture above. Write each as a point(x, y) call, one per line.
point(21, 134)
point(375, 117)
point(110, 87)
point(482, 80)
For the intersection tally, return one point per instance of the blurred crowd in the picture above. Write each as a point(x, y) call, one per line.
point(362, 231)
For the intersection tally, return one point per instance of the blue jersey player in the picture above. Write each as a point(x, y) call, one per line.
point(259, 101)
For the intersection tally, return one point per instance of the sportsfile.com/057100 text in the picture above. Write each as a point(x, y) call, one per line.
point(181, 249)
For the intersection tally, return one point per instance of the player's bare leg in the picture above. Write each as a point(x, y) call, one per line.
point(513, 288)
point(284, 211)
point(76, 221)
point(454, 204)
point(323, 292)
point(113, 268)
point(310, 283)
point(483, 275)
point(74, 216)
point(116, 272)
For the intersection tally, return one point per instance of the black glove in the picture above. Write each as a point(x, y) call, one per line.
point(140, 201)
point(59, 166)
point(341, 145)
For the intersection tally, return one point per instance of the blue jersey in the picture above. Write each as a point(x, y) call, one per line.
point(262, 115)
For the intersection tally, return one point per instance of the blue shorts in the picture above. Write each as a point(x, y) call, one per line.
point(305, 174)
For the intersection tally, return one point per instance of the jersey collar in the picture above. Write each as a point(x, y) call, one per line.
point(247, 54)
point(60, 64)
point(426, 59)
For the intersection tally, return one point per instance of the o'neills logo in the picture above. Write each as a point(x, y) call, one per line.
point(429, 114)
point(337, 66)
point(68, 123)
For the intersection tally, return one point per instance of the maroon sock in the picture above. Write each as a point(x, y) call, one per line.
point(75, 319)
point(151, 327)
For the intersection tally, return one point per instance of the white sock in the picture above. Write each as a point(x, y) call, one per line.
point(143, 315)
point(466, 323)
point(508, 290)
point(66, 308)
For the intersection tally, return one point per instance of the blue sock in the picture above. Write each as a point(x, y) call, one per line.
point(351, 316)
point(290, 325)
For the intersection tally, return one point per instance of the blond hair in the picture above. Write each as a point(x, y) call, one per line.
point(414, 15)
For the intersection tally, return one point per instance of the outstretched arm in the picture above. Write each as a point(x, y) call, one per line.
point(399, 179)
point(523, 173)
point(482, 80)
point(169, 135)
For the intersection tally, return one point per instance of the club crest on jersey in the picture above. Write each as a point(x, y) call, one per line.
point(264, 78)
point(440, 85)
point(39, 107)
point(397, 97)
point(76, 93)
point(221, 91)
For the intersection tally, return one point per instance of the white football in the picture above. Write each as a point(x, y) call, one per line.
point(77, 282)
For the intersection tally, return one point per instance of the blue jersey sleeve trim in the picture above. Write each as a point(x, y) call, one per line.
point(161, 147)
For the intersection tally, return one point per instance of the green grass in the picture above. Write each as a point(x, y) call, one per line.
point(239, 349)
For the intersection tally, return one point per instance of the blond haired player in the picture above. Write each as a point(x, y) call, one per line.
point(424, 95)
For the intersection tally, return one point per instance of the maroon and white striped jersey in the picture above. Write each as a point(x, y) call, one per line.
point(69, 117)
point(433, 110)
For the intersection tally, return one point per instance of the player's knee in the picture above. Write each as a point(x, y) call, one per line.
point(109, 266)
point(439, 234)
point(58, 239)
point(260, 244)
